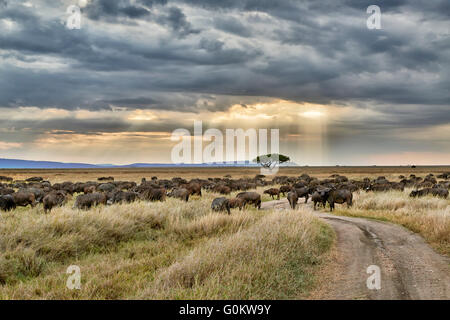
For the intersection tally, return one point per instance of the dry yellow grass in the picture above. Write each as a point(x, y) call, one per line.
point(123, 250)
point(273, 259)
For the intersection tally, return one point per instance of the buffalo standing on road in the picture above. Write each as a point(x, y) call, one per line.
point(319, 197)
point(338, 196)
point(303, 192)
point(273, 192)
point(292, 198)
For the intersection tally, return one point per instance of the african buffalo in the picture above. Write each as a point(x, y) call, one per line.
point(292, 198)
point(54, 199)
point(181, 193)
point(440, 192)
point(23, 198)
point(7, 203)
point(86, 201)
point(193, 189)
point(222, 189)
point(284, 190)
point(303, 192)
point(319, 196)
point(106, 187)
point(89, 189)
point(221, 204)
point(251, 198)
point(236, 203)
point(6, 191)
point(39, 194)
point(123, 196)
point(153, 194)
point(338, 196)
point(273, 192)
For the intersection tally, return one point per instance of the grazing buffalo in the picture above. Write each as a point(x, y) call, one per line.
point(54, 199)
point(439, 192)
point(106, 179)
point(39, 194)
point(273, 192)
point(338, 196)
point(292, 198)
point(123, 196)
point(86, 201)
point(237, 203)
point(180, 193)
point(193, 189)
point(221, 204)
point(106, 187)
point(89, 189)
point(222, 189)
point(251, 198)
point(35, 179)
point(7, 203)
point(284, 190)
point(378, 187)
point(6, 191)
point(154, 194)
point(420, 193)
point(23, 199)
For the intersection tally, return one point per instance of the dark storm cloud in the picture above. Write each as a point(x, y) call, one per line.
point(232, 25)
point(314, 51)
point(110, 10)
point(177, 21)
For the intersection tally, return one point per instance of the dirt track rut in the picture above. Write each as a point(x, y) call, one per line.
point(410, 268)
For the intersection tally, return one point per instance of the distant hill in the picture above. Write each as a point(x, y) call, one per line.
point(29, 164)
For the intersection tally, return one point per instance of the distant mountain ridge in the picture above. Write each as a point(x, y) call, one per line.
point(31, 164)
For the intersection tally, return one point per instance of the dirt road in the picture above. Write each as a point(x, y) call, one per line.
point(410, 269)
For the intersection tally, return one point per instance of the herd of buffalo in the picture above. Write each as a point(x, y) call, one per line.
point(106, 191)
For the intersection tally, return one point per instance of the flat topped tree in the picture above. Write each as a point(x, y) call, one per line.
point(271, 160)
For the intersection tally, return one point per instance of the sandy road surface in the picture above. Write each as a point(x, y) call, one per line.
point(410, 269)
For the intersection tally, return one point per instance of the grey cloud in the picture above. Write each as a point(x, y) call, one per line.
point(232, 25)
point(337, 62)
point(177, 20)
point(98, 9)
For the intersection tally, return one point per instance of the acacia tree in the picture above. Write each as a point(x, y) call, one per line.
point(271, 160)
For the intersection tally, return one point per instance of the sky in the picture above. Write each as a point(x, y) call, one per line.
point(114, 90)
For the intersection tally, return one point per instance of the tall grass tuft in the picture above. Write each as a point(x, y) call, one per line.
point(272, 259)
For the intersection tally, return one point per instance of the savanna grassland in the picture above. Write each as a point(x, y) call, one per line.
point(169, 250)
point(179, 250)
